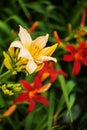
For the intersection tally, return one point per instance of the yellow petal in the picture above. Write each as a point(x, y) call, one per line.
point(37, 45)
point(39, 67)
point(6, 56)
point(48, 51)
point(24, 36)
point(11, 50)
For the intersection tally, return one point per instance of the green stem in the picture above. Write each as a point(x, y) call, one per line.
point(1, 68)
point(51, 110)
point(5, 76)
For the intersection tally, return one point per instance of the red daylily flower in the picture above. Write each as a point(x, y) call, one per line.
point(49, 71)
point(78, 55)
point(33, 93)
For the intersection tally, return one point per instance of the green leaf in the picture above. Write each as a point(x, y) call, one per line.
point(71, 100)
point(41, 125)
point(29, 121)
point(70, 86)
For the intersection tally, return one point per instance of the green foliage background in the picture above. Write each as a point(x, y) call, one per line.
point(52, 15)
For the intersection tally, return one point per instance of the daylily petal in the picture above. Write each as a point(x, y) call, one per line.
point(45, 58)
point(44, 76)
point(53, 77)
point(40, 41)
point(21, 98)
point(62, 72)
point(39, 67)
point(82, 45)
point(68, 57)
point(84, 61)
point(31, 105)
point(44, 88)
point(37, 82)
point(24, 36)
point(31, 66)
point(25, 54)
point(26, 85)
point(16, 44)
point(48, 51)
point(42, 100)
point(85, 52)
point(76, 67)
point(70, 48)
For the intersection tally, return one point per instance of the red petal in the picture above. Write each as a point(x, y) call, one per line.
point(68, 58)
point(21, 98)
point(26, 85)
point(44, 69)
point(53, 77)
point(70, 48)
point(62, 72)
point(42, 100)
point(76, 67)
point(37, 82)
point(85, 52)
point(53, 74)
point(31, 106)
point(84, 61)
point(82, 45)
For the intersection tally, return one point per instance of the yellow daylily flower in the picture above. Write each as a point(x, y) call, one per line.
point(33, 50)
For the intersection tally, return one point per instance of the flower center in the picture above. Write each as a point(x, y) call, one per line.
point(78, 55)
point(34, 51)
point(24, 60)
point(27, 46)
point(32, 93)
